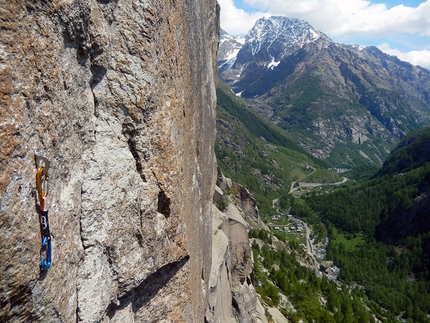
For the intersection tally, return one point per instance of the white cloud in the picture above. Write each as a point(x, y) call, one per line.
point(415, 57)
point(237, 21)
point(352, 17)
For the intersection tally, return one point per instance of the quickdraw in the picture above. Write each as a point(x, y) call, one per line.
point(42, 178)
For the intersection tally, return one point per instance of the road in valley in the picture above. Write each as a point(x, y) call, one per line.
point(292, 189)
point(301, 184)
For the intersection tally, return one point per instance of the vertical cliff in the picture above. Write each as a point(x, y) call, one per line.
point(120, 96)
point(232, 296)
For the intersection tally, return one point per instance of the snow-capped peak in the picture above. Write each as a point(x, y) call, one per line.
point(282, 32)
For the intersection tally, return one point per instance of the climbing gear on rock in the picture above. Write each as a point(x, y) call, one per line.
point(42, 178)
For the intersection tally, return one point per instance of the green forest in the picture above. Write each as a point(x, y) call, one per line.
point(303, 288)
point(390, 213)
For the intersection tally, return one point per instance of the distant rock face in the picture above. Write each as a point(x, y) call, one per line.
point(246, 201)
point(232, 295)
point(120, 96)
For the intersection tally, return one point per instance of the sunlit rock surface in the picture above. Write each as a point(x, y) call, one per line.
point(120, 96)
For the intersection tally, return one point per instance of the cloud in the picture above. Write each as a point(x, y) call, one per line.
point(237, 21)
point(415, 57)
point(352, 17)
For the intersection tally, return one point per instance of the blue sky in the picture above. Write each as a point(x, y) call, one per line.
point(397, 27)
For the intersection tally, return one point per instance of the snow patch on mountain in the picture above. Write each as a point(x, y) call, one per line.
point(233, 54)
point(314, 35)
point(273, 64)
point(359, 47)
point(228, 48)
point(239, 94)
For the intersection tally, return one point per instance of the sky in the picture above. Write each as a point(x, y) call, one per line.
point(400, 28)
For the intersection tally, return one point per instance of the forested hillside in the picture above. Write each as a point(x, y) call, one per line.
point(296, 289)
point(389, 215)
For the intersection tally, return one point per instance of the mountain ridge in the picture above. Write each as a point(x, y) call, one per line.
point(348, 104)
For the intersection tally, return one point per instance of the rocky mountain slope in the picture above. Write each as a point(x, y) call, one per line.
point(348, 104)
point(257, 154)
point(232, 297)
point(120, 97)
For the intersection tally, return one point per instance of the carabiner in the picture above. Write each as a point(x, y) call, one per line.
point(45, 264)
point(39, 157)
point(42, 178)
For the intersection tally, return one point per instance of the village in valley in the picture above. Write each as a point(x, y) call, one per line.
point(298, 230)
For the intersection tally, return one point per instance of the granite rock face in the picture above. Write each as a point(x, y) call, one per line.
point(120, 96)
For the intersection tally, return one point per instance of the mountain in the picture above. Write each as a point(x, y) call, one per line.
point(228, 48)
point(376, 230)
point(348, 104)
point(412, 152)
point(272, 39)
